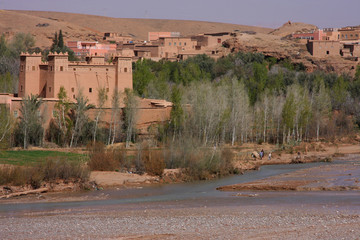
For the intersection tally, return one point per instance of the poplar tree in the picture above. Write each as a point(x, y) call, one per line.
point(101, 100)
point(130, 115)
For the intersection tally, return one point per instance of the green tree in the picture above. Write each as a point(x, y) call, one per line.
point(61, 40)
point(321, 106)
point(62, 109)
point(130, 115)
point(80, 119)
point(115, 117)
point(30, 121)
point(177, 112)
point(142, 76)
point(101, 101)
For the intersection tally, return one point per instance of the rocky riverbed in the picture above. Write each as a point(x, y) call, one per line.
point(169, 221)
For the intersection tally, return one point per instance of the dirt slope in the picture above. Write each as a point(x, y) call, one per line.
point(291, 28)
point(90, 27)
point(13, 22)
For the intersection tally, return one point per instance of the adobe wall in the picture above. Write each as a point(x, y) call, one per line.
point(46, 79)
point(324, 48)
point(171, 47)
point(349, 34)
point(153, 49)
point(29, 74)
point(147, 113)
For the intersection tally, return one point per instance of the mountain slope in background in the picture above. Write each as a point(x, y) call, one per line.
point(43, 25)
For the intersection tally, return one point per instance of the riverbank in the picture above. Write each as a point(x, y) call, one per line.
point(316, 152)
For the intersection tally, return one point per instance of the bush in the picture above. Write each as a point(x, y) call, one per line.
point(208, 163)
point(58, 168)
point(51, 170)
point(153, 162)
point(101, 159)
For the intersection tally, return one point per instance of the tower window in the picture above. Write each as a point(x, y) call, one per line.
point(125, 69)
point(49, 89)
point(90, 90)
point(72, 89)
point(61, 68)
point(33, 68)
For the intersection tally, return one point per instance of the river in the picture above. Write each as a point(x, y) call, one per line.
point(200, 194)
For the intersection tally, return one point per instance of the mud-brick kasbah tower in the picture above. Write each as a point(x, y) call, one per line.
point(46, 78)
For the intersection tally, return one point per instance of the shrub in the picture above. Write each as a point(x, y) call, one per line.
point(153, 162)
point(51, 170)
point(101, 159)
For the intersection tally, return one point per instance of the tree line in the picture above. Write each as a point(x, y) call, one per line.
point(247, 97)
point(243, 97)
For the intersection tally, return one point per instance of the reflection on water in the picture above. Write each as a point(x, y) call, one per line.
point(193, 194)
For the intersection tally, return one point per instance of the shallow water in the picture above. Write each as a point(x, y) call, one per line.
point(202, 193)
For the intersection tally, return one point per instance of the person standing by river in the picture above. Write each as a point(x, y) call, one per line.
point(261, 154)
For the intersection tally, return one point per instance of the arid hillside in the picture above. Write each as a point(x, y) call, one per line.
point(89, 27)
point(290, 28)
point(272, 42)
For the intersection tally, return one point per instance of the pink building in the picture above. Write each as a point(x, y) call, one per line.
point(316, 35)
point(83, 48)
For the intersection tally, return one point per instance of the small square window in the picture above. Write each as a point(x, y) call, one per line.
point(169, 43)
point(51, 68)
point(174, 43)
point(61, 68)
point(107, 69)
point(74, 96)
point(107, 90)
point(90, 90)
point(72, 89)
point(327, 52)
point(74, 69)
point(49, 89)
point(33, 68)
point(125, 69)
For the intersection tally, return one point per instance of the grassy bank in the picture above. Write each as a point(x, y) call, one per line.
point(31, 157)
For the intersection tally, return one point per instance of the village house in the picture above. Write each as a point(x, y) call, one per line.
point(320, 48)
point(85, 48)
point(349, 34)
point(154, 36)
point(117, 38)
point(342, 42)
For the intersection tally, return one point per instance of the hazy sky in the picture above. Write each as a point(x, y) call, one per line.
point(268, 13)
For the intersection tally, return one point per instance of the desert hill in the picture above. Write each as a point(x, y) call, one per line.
point(291, 28)
point(90, 27)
